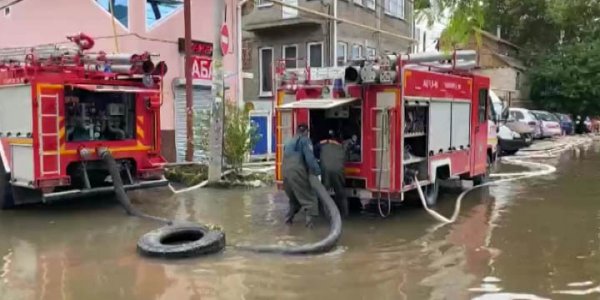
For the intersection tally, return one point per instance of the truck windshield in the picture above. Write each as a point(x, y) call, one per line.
point(99, 116)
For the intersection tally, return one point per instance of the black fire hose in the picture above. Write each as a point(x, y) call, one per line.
point(322, 246)
point(115, 175)
point(187, 239)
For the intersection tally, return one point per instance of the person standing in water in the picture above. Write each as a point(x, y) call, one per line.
point(298, 163)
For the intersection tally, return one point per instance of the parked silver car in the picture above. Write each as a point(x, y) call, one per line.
point(549, 123)
point(526, 117)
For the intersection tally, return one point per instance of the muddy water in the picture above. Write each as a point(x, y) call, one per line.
point(531, 239)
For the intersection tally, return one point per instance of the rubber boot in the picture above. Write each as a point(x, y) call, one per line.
point(309, 222)
point(289, 217)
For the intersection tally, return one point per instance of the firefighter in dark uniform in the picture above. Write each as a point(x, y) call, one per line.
point(332, 158)
point(298, 162)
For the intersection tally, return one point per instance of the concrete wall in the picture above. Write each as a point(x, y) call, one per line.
point(505, 81)
point(35, 22)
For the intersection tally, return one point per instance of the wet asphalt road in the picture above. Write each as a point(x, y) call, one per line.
point(531, 239)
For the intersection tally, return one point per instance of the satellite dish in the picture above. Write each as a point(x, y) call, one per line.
point(247, 8)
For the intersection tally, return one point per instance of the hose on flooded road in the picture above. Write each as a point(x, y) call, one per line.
point(187, 239)
point(322, 246)
point(115, 175)
point(545, 169)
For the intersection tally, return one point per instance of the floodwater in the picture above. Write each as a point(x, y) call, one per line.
point(531, 239)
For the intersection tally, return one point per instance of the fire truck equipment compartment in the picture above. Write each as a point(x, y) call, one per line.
point(95, 116)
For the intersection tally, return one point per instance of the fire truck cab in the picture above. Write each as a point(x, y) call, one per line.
point(59, 106)
point(421, 116)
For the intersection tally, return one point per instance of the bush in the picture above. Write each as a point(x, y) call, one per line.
point(240, 135)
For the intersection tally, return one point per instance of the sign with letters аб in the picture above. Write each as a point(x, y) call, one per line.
point(201, 67)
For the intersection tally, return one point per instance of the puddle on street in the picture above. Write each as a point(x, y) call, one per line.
point(529, 239)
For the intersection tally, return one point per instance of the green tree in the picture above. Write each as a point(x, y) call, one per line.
point(567, 79)
point(240, 135)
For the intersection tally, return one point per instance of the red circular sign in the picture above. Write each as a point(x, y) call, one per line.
point(224, 39)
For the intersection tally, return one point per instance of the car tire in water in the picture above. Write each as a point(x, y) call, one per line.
point(181, 240)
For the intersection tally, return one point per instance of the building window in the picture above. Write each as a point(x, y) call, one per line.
point(518, 81)
point(395, 8)
point(290, 54)
point(157, 10)
point(120, 8)
point(356, 51)
point(358, 2)
point(315, 55)
point(370, 4)
point(263, 3)
point(342, 53)
point(371, 52)
point(7, 11)
point(266, 71)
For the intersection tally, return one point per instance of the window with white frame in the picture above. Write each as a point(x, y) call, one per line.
point(118, 8)
point(265, 71)
point(356, 51)
point(370, 4)
point(290, 54)
point(371, 52)
point(159, 10)
point(395, 8)
point(342, 53)
point(315, 55)
point(264, 3)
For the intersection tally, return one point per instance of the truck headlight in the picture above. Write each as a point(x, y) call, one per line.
point(516, 135)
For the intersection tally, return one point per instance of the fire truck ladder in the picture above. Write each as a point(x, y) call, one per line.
point(46, 149)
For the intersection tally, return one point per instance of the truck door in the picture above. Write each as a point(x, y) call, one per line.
point(479, 130)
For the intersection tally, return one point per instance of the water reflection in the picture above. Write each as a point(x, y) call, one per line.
point(527, 239)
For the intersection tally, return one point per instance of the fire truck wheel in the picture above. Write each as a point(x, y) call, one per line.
point(181, 240)
point(431, 193)
point(6, 200)
point(481, 179)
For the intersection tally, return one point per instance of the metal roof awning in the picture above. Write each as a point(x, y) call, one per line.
point(325, 103)
point(114, 88)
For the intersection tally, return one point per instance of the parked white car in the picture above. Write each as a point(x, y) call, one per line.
point(549, 123)
point(525, 116)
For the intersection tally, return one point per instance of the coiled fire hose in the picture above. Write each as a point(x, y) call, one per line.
point(384, 132)
point(202, 240)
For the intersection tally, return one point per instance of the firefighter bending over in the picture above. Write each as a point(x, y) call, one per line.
point(332, 159)
point(298, 162)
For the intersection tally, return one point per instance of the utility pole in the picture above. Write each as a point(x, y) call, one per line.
point(215, 164)
point(189, 96)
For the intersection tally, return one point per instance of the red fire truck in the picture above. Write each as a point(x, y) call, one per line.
point(400, 116)
point(60, 104)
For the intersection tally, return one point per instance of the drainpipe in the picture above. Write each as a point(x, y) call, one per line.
point(189, 100)
point(240, 79)
point(335, 33)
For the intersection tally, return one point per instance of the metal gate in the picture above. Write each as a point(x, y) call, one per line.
point(202, 109)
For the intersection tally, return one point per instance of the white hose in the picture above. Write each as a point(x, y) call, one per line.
point(205, 183)
point(545, 170)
